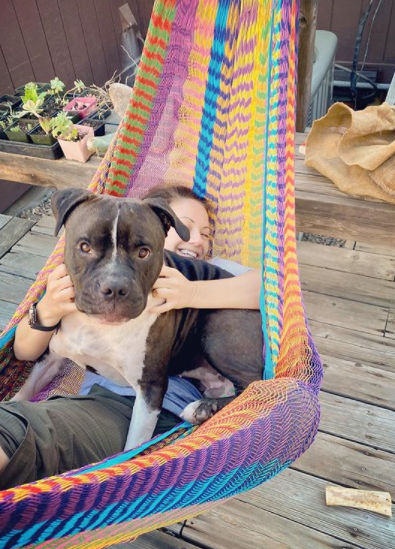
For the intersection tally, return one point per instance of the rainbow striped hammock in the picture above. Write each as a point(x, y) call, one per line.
point(213, 107)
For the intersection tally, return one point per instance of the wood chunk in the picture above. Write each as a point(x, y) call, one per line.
point(377, 502)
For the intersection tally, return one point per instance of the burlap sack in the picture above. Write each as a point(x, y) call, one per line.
point(356, 150)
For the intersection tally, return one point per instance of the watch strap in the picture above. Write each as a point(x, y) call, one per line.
point(35, 325)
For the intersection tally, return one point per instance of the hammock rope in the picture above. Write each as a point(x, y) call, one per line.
point(213, 107)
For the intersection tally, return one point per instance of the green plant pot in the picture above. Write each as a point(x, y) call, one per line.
point(20, 136)
point(41, 138)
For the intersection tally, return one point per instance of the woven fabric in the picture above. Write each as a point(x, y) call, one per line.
point(213, 107)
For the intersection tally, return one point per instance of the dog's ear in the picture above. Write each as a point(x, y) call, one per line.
point(63, 203)
point(168, 217)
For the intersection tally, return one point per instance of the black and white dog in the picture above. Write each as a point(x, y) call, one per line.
point(114, 253)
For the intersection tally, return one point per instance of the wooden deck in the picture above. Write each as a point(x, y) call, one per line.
point(350, 300)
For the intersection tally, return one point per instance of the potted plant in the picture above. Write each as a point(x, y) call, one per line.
point(81, 105)
point(103, 100)
point(55, 91)
point(102, 112)
point(33, 102)
point(19, 130)
point(41, 87)
point(73, 139)
point(8, 102)
point(97, 125)
point(75, 91)
point(42, 134)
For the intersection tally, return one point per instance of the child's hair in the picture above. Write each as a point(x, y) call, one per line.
point(177, 192)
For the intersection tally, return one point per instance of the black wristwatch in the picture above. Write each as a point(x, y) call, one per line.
point(32, 317)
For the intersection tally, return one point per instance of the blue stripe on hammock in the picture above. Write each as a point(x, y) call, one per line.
point(210, 99)
point(268, 371)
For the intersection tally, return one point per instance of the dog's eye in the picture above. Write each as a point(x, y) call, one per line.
point(84, 247)
point(143, 253)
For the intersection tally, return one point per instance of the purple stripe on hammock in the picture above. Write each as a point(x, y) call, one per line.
point(247, 17)
point(175, 65)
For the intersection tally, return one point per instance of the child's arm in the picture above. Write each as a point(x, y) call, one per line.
point(58, 302)
point(239, 292)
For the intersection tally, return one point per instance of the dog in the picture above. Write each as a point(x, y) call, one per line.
point(114, 252)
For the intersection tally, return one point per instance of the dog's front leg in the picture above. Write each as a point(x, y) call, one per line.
point(146, 410)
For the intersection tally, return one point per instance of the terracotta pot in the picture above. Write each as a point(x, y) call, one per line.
point(78, 150)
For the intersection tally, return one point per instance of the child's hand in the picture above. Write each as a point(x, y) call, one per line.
point(178, 291)
point(58, 300)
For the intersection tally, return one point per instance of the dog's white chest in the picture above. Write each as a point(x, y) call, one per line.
point(116, 352)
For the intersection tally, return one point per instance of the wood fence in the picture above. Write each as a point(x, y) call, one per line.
point(67, 38)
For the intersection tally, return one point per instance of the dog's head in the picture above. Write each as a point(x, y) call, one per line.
point(114, 249)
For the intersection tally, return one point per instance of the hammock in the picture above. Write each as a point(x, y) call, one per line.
point(212, 107)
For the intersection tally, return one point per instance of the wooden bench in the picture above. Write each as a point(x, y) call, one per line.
point(320, 207)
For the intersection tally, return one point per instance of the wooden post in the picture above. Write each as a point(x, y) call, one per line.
point(307, 27)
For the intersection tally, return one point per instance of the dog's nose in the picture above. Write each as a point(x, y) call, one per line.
point(116, 289)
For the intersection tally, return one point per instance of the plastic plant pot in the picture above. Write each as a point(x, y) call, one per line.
point(98, 125)
point(102, 113)
point(77, 150)
point(39, 137)
point(21, 135)
point(83, 105)
point(9, 101)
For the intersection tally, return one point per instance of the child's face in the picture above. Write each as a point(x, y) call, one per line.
point(193, 214)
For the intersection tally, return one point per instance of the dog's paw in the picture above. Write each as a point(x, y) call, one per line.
point(200, 411)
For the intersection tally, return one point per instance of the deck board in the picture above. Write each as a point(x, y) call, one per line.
point(243, 525)
point(39, 244)
point(358, 421)
point(358, 262)
point(11, 233)
point(23, 263)
point(354, 287)
point(301, 498)
point(390, 327)
point(6, 311)
point(349, 463)
point(349, 296)
point(4, 219)
point(344, 313)
point(365, 383)
point(342, 342)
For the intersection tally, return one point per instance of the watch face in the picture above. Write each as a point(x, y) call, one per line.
point(32, 314)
